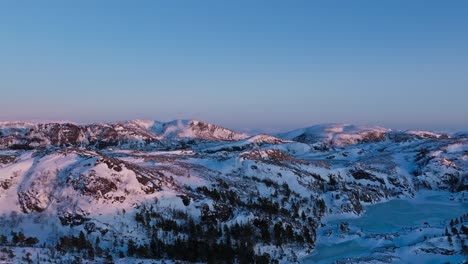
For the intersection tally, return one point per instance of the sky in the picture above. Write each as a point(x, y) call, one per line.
point(271, 65)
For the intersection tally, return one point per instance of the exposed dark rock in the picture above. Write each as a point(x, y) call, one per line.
point(5, 159)
point(359, 174)
point(71, 219)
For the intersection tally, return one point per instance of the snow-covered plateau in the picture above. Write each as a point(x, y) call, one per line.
point(188, 191)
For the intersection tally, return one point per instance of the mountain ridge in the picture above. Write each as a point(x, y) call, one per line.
point(162, 191)
point(337, 134)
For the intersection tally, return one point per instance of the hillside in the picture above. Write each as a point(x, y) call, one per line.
point(198, 192)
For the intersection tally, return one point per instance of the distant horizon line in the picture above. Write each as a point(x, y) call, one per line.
point(251, 130)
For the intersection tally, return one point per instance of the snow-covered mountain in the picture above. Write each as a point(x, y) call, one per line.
point(190, 129)
point(7, 128)
point(336, 134)
point(129, 134)
point(198, 192)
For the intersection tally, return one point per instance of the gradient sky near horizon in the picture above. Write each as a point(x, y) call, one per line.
point(272, 65)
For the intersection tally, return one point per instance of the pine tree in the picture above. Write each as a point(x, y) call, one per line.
point(278, 234)
point(27, 258)
point(464, 230)
point(289, 233)
point(131, 248)
point(306, 234)
point(3, 240)
point(21, 238)
point(31, 241)
point(109, 259)
point(91, 253)
point(14, 238)
point(82, 242)
point(98, 249)
point(263, 259)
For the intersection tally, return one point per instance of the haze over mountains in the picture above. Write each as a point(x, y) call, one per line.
point(198, 192)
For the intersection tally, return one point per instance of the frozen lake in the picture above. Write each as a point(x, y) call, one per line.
point(390, 217)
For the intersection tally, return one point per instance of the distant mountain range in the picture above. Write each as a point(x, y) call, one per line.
point(193, 191)
point(146, 132)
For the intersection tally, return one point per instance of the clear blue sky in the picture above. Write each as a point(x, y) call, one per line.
point(242, 64)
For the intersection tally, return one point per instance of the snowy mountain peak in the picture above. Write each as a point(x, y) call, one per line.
point(264, 138)
point(336, 134)
point(426, 134)
point(194, 129)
